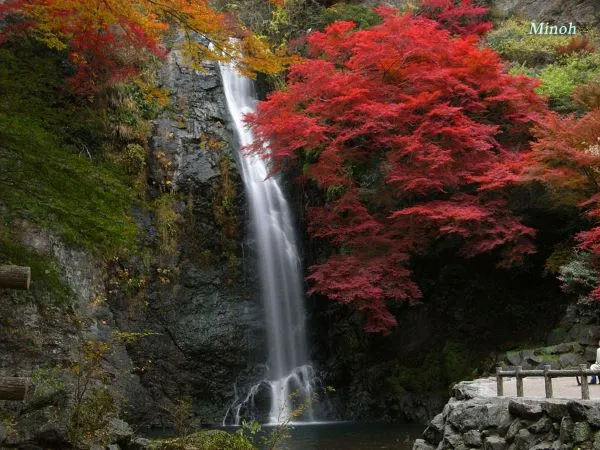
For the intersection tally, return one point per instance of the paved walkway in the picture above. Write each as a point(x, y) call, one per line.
point(534, 387)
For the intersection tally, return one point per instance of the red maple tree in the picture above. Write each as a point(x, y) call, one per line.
point(398, 126)
point(566, 156)
point(461, 17)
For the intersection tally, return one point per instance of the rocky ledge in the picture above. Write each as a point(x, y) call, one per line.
point(475, 418)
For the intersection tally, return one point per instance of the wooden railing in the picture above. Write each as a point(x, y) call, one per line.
point(583, 372)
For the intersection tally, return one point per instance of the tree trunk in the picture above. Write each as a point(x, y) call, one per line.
point(13, 388)
point(15, 277)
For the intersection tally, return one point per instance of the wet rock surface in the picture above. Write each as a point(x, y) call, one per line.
point(203, 309)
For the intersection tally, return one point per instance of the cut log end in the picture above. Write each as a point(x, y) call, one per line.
point(15, 277)
point(15, 388)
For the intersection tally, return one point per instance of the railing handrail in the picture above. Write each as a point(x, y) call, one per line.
point(554, 373)
point(548, 374)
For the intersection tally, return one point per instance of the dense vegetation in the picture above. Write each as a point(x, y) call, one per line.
point(412, 147)
point(442, 160)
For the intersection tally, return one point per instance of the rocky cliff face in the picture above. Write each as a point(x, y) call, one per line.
point(190, 289)
point(202, 300)
point(583, 12)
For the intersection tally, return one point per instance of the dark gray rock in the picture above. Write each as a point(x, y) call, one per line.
point(420, 444)
point(469, 416)
point(571, 360)
point(583, 11)
point(565, 347)
point(119, 431)
point(566, 429)
point(208, 318)
point(593, 416)
point(577, 410)
point(524, 440)
point(544, 425)
point(452, 439)
point(514, 358)
point(526, 409)
point(435, 431)
point(596, 441)
point(556, 409)
point(545, 445)
point(581, 432)
point(514, 428)
point(472, 438)
point(494, 443)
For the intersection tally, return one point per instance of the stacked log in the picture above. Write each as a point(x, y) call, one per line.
point(15, 277)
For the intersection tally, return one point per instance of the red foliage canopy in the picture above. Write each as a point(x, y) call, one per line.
point(459, 16)
point(566, 155)
point(399, 125)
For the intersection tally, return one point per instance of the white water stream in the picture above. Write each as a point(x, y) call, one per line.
point(289, 371)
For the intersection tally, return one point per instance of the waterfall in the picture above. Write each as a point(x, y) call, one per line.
point(280, 269)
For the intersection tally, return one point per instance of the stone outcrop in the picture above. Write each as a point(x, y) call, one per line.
point(198, 307)
point(202, 301)
point(475, 418)
point(583, 12)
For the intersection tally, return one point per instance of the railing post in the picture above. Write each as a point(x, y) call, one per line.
point(499, 384)
point(519, 381)
point(547, 381)
point(585, 389)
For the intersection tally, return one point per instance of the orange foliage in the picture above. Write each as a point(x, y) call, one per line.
point(107, 40)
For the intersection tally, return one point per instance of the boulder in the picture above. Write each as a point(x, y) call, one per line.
point(524, 440)
point(472, 438)
point(544, 425)
point(514, 428)
point(494, 443)
point(581, 432)
point(556, 409)
point(569, 360)
point(525, 409)
point(566, 429)
point(420, 444)
point(139, 443)
point(435, 431)
point(119, 431)
point(469, 416)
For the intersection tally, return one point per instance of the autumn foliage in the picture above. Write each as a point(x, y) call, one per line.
point(108, 40)
point(566, 156)
point(460, 17)
point(398, 126)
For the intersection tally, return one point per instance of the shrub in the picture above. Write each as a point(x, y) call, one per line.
point(205, 440)
point(361, 15)
point(560, 79)
point(513, 41)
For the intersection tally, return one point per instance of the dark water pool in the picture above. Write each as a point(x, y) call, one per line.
point(352, 436)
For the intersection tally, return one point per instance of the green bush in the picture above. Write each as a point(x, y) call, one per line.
point(560, 79)
point(205, 440)
point(513, 41)
point(52, 174)
point(361, 15)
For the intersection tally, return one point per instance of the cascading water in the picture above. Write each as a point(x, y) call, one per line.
point(289, 371)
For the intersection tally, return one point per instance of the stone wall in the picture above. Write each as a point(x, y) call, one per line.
point(475, 418)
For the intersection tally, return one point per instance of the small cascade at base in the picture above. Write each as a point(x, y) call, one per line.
point(290, 383)
point(290, 394)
